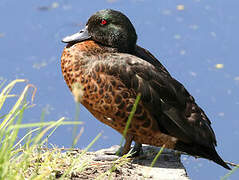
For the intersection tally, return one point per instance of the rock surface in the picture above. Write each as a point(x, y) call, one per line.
point(167, 167)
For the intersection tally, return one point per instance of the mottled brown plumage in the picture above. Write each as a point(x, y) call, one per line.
point(112, 70)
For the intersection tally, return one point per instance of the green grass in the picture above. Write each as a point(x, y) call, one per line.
point(21, 158)
point(230, 173)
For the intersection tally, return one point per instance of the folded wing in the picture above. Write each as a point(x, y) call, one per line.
point(163, 96)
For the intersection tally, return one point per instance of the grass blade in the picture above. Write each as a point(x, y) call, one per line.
point(131, 115)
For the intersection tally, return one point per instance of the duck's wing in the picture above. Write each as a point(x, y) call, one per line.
point(187, 119)
point(163, 96)
point(147, 56)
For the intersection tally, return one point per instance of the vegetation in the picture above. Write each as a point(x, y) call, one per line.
point(27, 157)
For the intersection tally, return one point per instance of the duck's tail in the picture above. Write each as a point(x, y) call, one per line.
point(202, 151)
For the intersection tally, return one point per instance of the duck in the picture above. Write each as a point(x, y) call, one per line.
point(104, 61)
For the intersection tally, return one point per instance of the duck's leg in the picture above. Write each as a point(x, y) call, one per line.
point(127, 146)
point(137, 149)
point(114, 152)
point(128, 141)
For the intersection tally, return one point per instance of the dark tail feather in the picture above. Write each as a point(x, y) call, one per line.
point(217, 159)
point(202, 151)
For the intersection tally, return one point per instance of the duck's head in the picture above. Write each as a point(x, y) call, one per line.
point(109, 28)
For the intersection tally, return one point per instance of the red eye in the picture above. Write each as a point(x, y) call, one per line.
point(103, 22)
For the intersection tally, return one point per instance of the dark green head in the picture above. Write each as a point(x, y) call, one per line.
point(110, 28)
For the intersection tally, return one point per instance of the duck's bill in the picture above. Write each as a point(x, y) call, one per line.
point(77, 37)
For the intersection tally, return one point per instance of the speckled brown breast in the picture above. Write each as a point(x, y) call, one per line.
point(105, 96)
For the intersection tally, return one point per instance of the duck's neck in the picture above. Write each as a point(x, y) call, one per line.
point(110, 49)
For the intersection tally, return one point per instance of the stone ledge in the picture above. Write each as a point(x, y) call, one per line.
point(167, 167)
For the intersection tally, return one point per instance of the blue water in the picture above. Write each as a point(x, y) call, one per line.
point(190, 42)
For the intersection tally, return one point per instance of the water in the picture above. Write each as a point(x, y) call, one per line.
point(196, 40)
